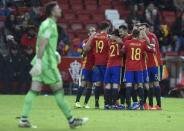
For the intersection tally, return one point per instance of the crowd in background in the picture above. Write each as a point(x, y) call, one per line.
point(18, 35)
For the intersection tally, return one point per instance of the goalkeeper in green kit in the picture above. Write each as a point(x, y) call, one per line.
point(45, 71)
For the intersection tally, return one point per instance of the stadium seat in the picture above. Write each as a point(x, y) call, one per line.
point(63, 23)
point(104, 2)
point(75, 2)
point(64, 6)
point(90, 2)
point(83, 16)
point(98, 17)
point(76, 7)
point(76, 25)
point(117, 22)
point(23, 10)
point(63, 2)
point(91, 7)
point(112, 14)
point(43, 2)
point(71, 33)
point(82, 34)
point(169, 17)
point(89, 24)
point(171, 53)
point(124, 14)
point(2, 18)
point(104, 7)
point(69, 15)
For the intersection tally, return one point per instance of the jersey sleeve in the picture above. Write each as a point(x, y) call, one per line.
point(45, 31)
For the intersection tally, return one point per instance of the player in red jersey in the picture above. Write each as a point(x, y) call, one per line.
point(86, 77)
point(123, 32)
point(113, 73)
point(98, 43)
point(153, 69)
point(134, 50)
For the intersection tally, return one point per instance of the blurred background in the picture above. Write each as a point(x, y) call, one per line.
point(20, 20)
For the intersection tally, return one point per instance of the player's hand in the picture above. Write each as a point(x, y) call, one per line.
point(37, 68)
point(58, 57)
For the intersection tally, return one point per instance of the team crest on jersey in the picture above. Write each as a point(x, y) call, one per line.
point(74, 70)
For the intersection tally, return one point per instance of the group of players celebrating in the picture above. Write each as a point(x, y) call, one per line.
point(126, 67)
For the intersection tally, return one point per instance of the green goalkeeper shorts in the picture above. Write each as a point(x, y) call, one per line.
point(49, 76)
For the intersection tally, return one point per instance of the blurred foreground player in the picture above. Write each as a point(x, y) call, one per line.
point(45, 71)
point(98, 43)
point(86, 77)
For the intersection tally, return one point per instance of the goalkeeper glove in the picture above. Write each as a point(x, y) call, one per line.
point(58, 57)
point(37, 68)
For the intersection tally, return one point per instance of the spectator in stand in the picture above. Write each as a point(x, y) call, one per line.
point(165, 5)
point(63, 40)
point(11, 23)
point(13, 67)
point(28, 54)
point(76, 48)
point(32, 2)
point(179, 4)
point(164, 38)
point(152, 16)
point(5, 11)
point(178, 33)
point(134, 17)
point(28, 39)
point(35, 15)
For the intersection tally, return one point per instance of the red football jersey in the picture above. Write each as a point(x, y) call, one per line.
point(158, 53)
point(99, 46)
point(89, 59)
point(134, 51)
point(128, 37)
point(114, 57)
point(152, 60)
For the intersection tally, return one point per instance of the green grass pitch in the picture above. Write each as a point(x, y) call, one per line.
point(47, 116)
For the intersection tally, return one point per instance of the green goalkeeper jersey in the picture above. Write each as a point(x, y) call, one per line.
point(48, 30)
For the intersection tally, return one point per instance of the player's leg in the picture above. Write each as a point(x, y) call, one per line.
point(54, 80)
point(146, 89)
point(98, 78)
point(64, 106)
point(97, 84)
point(135, 104)
point(157, 94)
point(107, 89)
point(122, 94)
point(122, 91)
point(157, 89)
point(129, 80)
point(151, 88)
point(82, 85)
point(33, 92)
point(88, 94)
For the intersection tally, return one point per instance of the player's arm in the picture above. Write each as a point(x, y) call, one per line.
point(145, 37)
point(88, 45)
point(44, 40)
point(43, 43)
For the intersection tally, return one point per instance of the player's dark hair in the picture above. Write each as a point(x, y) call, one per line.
point(135, 33)
point(124, 27)
point(49, 8)
point(145, 24)
point(115, 32)
point(103, 25)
